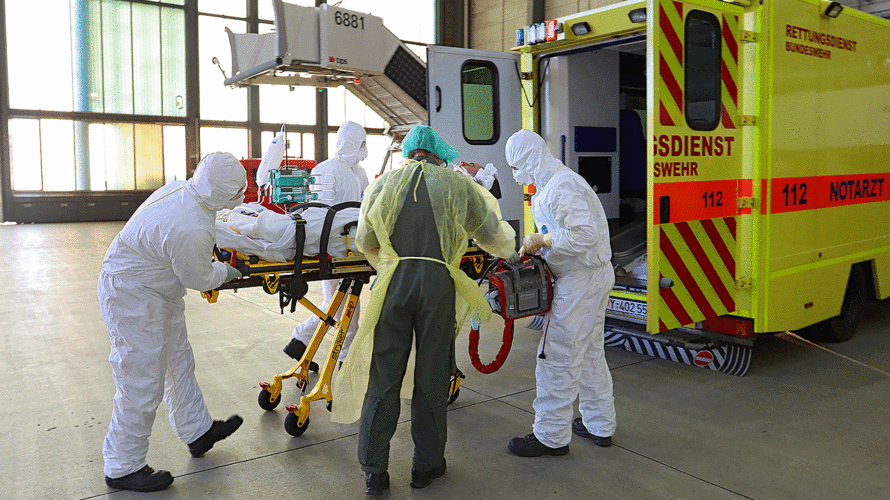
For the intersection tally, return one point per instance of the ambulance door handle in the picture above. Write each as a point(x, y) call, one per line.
point(438, 98)
point(664, 210)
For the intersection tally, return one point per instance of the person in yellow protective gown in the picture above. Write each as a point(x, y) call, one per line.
point(414, 226)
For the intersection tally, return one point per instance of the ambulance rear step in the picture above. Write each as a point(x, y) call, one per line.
point(721, 353)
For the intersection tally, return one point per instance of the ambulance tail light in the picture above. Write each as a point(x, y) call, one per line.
point(730, 325)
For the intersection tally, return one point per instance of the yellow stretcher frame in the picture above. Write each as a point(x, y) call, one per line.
point(354, 272)
point(297, 420)
point(282, 278)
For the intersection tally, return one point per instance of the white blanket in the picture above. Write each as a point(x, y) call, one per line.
point(254, 230)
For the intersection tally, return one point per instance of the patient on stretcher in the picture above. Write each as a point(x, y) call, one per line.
point(254, 230)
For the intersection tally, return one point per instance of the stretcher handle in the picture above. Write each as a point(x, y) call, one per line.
point(323, 264)
point(308, 204)
point(349, 225)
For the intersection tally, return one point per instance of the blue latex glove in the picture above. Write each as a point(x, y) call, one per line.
point(493, 297)
point(232, 273)
point(513, 259)
point(475, 324)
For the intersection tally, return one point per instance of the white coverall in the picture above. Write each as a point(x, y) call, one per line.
point(164, 248)
point(344, 180)
point(574, 365)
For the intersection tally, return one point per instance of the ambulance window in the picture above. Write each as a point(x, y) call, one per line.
point(702, 70)
point(479, 96)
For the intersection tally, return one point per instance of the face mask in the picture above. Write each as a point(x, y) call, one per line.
point(237, 199)
point(234, 202)
point(522, 177)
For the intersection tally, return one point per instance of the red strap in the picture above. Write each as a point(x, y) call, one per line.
point(502, 353)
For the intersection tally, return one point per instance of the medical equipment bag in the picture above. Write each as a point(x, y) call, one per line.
point(525, 289)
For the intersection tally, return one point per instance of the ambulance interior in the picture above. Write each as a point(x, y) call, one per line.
point(593, 117)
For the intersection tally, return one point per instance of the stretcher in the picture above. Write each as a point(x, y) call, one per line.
point(290, 281)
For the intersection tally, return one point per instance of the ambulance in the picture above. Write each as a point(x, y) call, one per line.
point(741, 151)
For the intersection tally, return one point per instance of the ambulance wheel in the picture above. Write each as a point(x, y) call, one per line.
point(843, 327)
point(265, 402)
point(292, 427)
point(453, 397)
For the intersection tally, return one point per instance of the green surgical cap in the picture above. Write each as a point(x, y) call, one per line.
point(424, 137)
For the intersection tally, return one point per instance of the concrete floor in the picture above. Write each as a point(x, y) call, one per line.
point(806, 422)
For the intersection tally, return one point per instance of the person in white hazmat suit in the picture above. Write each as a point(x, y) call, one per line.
point(414, 226)
point(343, 179)
point(164, 248)
point(574, 240)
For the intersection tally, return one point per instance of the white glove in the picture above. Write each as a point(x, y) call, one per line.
point(534, 242)
point(232, 273)
point(486, 176)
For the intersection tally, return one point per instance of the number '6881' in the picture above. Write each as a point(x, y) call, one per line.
point(349, 20)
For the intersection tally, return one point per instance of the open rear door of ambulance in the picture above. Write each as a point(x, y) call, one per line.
point(699, 195)
point(474, 104)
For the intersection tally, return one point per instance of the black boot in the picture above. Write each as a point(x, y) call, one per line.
point(219, 430)
point(579, 429)
point(295, 349)
point(423, 479)
point(529, 446)
point(144, 479)
point(376, 483)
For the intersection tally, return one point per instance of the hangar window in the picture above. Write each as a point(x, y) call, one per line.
point(702, 67)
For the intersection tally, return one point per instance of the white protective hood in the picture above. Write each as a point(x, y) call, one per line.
point(219, 178)
point(351, 146)
point(528, 152)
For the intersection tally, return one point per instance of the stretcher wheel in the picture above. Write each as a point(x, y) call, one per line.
point(291, 426)
point(266, 402)
point(270, 284)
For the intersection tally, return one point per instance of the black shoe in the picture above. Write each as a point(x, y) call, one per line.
point(376, 483)
point(423, 479)
point(529, 446)
point(295, 349)
point(144, 479)
point(219, 430)
point(579, 429)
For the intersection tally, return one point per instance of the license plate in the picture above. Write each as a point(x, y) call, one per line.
point(627, 308)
